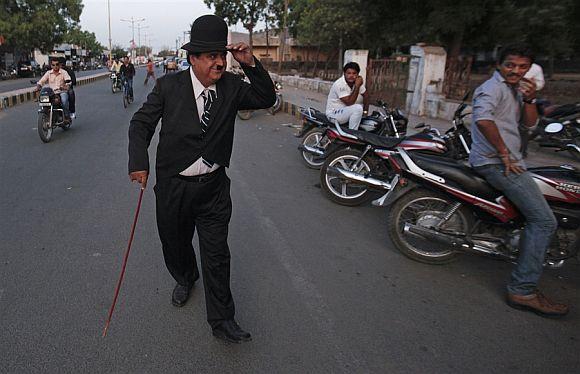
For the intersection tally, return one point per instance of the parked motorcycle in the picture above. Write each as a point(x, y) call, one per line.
point(356, 166)
point(50, 113)
point(440, 208)
point(247, 114)
point(116, 84)
point(562, 134)
point(315, 124)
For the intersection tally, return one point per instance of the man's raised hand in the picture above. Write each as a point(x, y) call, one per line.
point(241, 53)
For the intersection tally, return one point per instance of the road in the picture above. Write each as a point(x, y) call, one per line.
point(320, 286)
point(16, 84)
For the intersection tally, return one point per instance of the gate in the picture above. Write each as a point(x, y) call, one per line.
point(387, 80)
point(457, 75)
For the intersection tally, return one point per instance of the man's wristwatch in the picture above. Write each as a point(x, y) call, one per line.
point(531, 101)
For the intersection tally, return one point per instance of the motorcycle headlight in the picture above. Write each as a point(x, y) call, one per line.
point(44, 99)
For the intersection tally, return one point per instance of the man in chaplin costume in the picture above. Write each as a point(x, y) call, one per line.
point(198, 108)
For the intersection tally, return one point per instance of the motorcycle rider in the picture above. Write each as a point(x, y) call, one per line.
point(56, 79)
point(71, 91)
point(499, 104)
point(127, 72)
point(116, 66)
point(348, 99)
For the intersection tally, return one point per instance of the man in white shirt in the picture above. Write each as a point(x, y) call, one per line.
point(348, 98)
point(57, 79)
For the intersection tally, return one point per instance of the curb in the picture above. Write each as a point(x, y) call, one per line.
point(11, 98)
point(291, 109)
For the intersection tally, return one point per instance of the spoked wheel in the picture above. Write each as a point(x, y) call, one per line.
point(277, 105)
point(125, 99)
point(245, 114)
point(426, 209)
point(314, 138)
point(44, 127)
point(339, 189)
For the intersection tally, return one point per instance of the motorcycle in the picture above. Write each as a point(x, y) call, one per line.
point(356, 166)
point(247, 114)
point(116, 84)
point(50, 113)
point(315, 124)
point(562, 134)
point(440, 208)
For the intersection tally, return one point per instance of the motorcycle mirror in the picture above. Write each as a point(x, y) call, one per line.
point(420, 125)
point(33, 81)
point(466, 95)
point(553, 128)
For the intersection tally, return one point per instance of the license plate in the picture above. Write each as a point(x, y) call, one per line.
point(44, 104)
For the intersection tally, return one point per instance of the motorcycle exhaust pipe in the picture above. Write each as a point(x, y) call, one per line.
point(455, 242)
point(367, 181)
point(309, 149)
point(438, 237)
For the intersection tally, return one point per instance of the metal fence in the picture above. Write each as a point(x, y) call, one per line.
point(387, 79)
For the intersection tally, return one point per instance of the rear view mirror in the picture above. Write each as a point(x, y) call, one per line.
point(553, 128)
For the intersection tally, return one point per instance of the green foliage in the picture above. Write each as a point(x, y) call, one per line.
point(38, 23)
point(84, 39)
point(249, 12)
point(551, 26)
point(118, 51)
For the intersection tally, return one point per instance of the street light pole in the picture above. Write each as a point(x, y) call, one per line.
point(110, 41)
point(132, 20)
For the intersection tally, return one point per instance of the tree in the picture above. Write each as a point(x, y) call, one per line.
point(29, 24)
point(166, 51)
point(85, 39)
point(249, 12)
point(118, 51)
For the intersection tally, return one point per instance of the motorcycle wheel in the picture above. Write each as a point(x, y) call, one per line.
point(342, 191)
point(425, 208)
point(245, 114)
point(277, 105)
point(114, 88)
point(125, 100)
point(44, 127)
point(314, 138)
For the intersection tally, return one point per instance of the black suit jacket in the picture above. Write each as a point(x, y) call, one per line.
point(180, 139)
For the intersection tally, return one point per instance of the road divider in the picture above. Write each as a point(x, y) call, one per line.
point(15, 97)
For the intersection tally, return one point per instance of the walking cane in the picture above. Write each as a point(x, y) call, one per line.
point(124, 264)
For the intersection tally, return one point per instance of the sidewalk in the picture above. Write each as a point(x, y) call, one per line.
point(294, 98)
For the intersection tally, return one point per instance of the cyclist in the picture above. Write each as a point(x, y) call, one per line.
point(128, 72)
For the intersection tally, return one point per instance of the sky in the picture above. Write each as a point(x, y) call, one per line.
point(165, 21)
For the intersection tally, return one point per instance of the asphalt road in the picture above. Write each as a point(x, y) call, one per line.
point(320, 286)
point(16, 84)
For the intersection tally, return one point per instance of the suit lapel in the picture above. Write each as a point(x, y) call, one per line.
point(186, 93)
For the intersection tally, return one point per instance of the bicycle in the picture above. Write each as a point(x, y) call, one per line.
point(127, 93)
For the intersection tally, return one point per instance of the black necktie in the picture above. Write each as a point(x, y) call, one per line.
point(208, 99)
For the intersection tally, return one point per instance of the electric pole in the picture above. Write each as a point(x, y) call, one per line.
point(132, 20)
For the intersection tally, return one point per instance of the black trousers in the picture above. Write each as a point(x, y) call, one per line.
point(202, 202)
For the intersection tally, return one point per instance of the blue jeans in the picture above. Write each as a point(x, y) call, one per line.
point(64, 101)
point(541, 224)
point(130, 86)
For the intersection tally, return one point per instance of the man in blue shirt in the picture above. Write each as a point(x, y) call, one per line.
point(499, 105)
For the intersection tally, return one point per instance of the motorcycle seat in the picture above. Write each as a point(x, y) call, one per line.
point(374, 139)
point(460, 174)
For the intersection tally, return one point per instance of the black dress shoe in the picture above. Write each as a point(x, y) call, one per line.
point(230, 331)
point(180, 295)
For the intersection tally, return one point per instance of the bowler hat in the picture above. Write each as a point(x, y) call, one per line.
point(209, 33)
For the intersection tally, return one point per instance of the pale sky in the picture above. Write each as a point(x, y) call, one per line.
point(165, 21)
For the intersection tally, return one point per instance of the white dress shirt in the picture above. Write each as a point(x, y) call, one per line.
point(199, 167)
